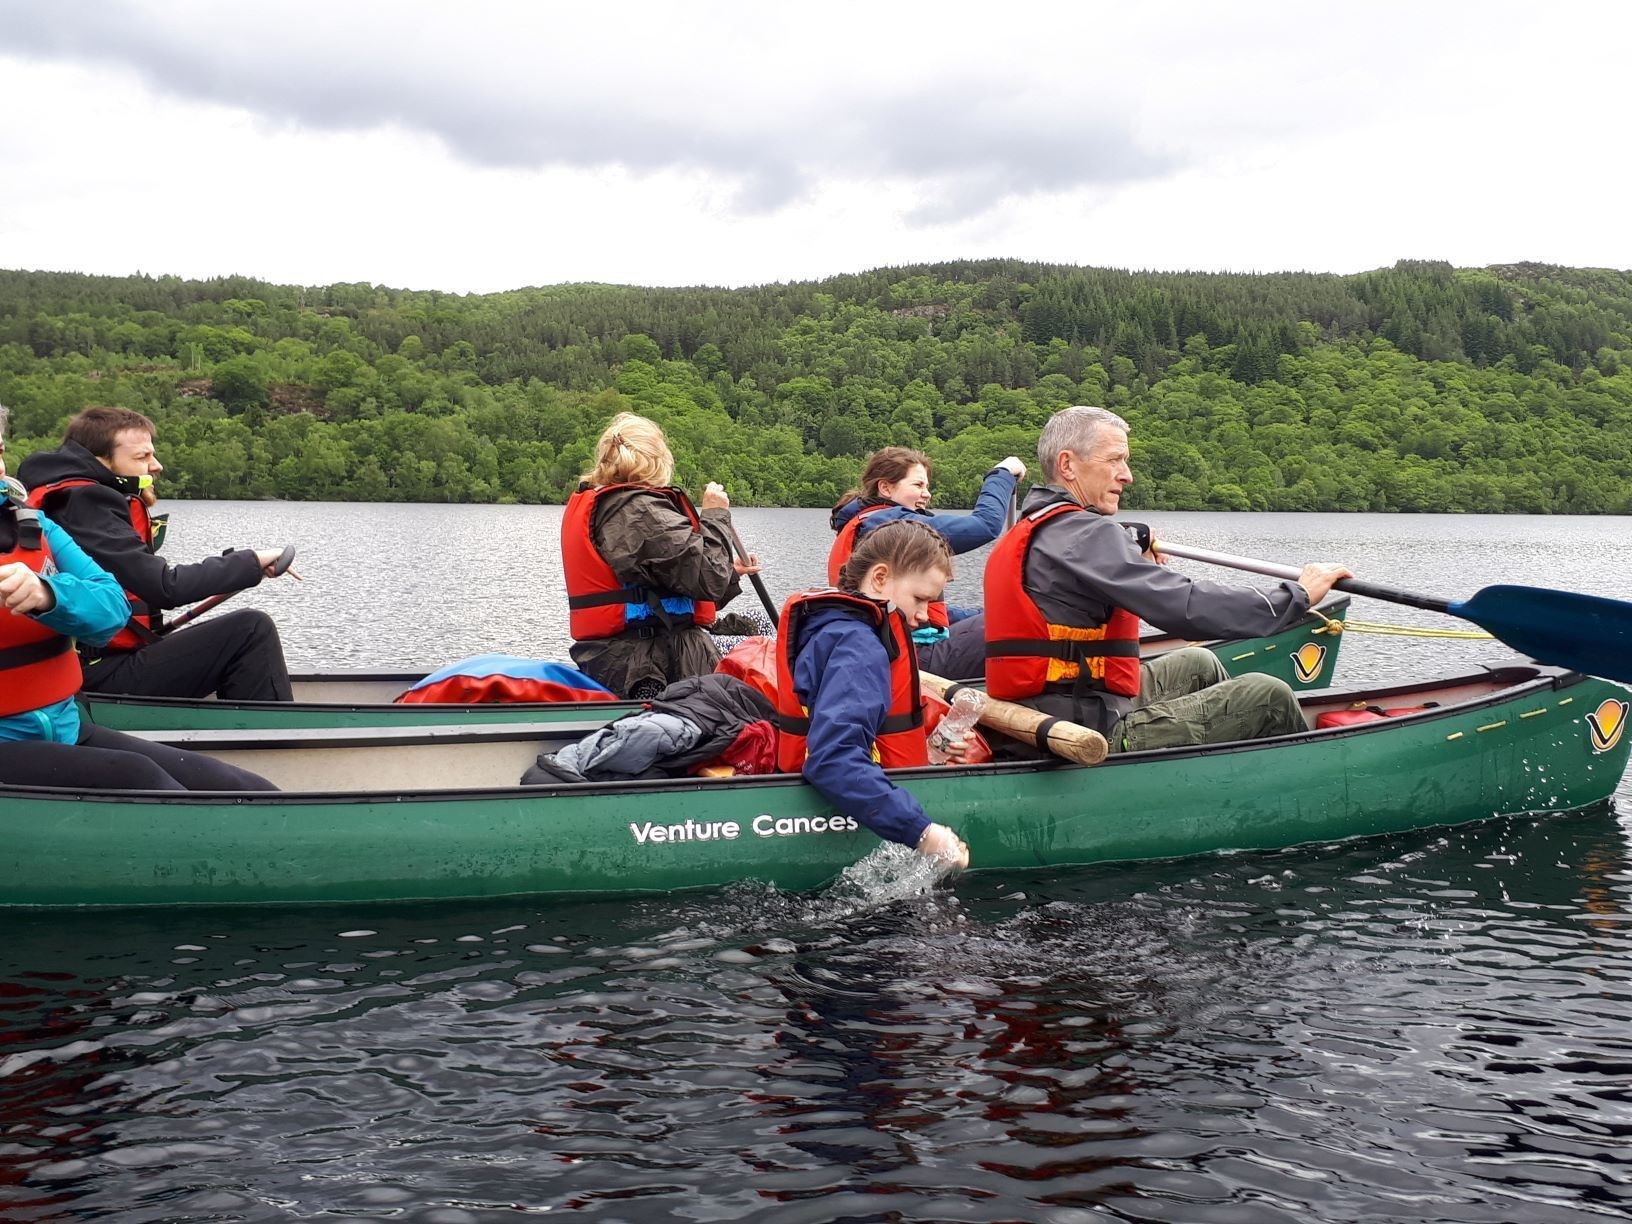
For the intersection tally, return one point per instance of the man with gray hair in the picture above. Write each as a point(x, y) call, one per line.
point(1067, 588)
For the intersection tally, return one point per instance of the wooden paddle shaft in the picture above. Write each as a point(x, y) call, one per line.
point(1070, 740)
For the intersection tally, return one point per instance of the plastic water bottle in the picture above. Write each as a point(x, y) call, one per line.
point(967, 703)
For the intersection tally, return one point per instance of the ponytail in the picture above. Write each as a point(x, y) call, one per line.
point(631, 450)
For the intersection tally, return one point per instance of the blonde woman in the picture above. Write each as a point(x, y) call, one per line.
point(646, 570)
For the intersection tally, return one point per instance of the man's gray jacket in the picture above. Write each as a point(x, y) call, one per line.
point(1081, 566)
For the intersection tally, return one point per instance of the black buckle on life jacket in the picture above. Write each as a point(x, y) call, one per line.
point(30, 533)
point(645, 631)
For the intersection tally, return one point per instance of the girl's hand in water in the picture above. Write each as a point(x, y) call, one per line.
point(940, 842)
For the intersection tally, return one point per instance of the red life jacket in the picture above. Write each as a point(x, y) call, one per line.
point(901, 737)
point(38, 666)
point(1026, 654)
point(845, 544)
point(598, 603)
point(145, 623)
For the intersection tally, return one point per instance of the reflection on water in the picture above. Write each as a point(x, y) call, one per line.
point(1428, 1026)
point(1431, 1026)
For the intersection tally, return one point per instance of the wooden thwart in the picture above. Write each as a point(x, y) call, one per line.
point(1070, 740)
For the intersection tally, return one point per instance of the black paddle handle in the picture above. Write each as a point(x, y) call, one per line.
point(1377, 590)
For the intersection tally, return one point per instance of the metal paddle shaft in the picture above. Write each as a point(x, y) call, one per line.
point(1585, 633)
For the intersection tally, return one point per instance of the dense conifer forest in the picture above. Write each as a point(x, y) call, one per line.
point(1420, 387)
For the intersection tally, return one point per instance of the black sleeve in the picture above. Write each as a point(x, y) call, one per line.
point(99, 521)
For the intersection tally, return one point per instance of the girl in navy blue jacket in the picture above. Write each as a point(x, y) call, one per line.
point(842, 675)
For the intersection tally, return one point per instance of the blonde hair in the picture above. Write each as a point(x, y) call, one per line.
point(907, 546)
point(632, 450)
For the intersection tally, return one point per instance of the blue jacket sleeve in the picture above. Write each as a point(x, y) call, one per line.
point(91, 606)
point(843, 677)
point(982, 525)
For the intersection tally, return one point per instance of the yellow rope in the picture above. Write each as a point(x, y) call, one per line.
point(1417, 631)
point(1354, 626)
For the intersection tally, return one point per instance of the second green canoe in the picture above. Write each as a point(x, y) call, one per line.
point(1304, 656)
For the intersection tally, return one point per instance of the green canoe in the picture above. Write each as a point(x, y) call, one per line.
point(427, 812)
point(1304, 656)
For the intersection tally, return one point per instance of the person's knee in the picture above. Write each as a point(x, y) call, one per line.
point(1264, 690)
point(1202, 663)
point(137, 772)
point(1178, 673)
point(1274, 697)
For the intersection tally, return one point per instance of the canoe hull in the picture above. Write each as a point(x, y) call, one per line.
point(1532, 748)
point(1305, 656)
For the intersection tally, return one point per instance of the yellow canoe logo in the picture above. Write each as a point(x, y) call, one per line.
point(1307, 662)
point(1606, 723)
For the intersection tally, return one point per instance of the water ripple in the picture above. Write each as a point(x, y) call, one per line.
point(1433, 1026)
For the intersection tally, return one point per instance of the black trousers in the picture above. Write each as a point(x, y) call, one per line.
point(112, 760)
point(236, 656)
point(962, 656)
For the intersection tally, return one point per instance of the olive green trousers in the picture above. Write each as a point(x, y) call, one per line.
point(1186, 698)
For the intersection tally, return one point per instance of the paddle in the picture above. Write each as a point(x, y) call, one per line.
point(1584, 633)
point(280, 566)
point(759, 585)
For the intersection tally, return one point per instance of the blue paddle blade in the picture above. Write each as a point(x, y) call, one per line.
point(1585, 633)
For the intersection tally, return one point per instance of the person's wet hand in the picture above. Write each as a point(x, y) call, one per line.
point(940, 842)
point(744, 568)
point(715, 497)
point(23, 591)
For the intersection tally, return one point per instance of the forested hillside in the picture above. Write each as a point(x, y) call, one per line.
point(1418, 388)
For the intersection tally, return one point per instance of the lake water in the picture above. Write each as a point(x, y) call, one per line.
point(1434, 1026)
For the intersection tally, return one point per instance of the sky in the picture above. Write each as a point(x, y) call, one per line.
point(495, 144)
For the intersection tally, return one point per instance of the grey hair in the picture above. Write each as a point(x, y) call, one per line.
point(4, 413)
point(1075, 429)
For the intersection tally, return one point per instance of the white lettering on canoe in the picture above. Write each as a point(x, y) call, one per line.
point(690, 831)
point(792, 826)
point(651, 833)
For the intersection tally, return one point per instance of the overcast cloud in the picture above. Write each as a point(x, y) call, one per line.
point(491, 145)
